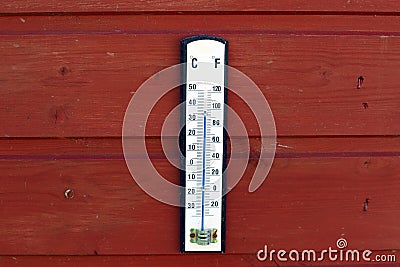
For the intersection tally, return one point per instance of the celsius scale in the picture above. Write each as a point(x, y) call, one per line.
point(203, 143)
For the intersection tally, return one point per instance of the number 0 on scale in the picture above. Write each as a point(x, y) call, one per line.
point(203, 143)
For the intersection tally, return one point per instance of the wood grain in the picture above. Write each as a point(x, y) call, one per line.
point(362, 6)
point(111, 148)
point(83, 81)
point(26, 24)
point(69, 69)
point(313, 200)
point(239, 260)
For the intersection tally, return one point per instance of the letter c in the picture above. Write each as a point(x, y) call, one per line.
point(194, 62)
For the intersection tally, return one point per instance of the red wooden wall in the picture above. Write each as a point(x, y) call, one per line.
point(69, 69)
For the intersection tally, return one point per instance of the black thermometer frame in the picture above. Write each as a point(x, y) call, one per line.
point(182, 141)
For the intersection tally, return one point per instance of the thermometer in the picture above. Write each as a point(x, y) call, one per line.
point(203, 143)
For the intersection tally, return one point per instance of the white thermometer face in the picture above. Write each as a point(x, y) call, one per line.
point(204, 93)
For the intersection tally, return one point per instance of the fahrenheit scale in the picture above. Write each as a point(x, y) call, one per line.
point(203, 143)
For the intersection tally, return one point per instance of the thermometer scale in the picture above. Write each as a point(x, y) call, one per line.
point(203, 143)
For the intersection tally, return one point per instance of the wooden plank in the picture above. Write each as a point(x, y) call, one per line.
point(136, 260)
point(221, 260)
point(84, 82)
point(111, 148)
point(109, 212)
point(312, 199)
point(362, 6)
point(152, 23)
